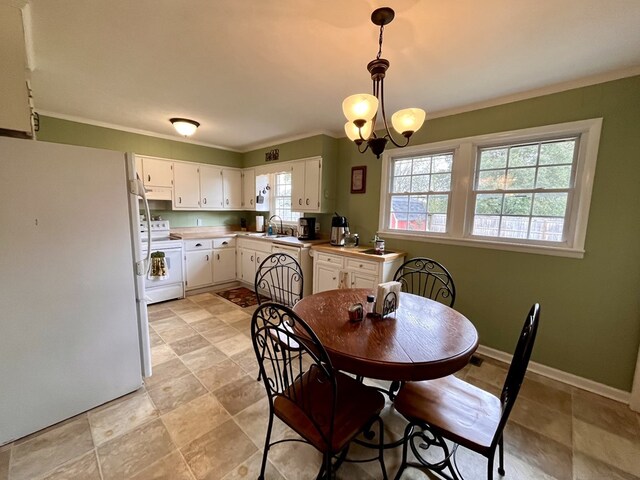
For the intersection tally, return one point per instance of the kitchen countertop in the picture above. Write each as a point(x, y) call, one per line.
point(202, 233)
point(358, 252)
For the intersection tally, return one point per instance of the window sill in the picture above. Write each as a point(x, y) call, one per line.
point(558, 251)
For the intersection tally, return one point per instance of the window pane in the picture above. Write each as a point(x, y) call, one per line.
point(514, 227)
point(517, 204)
point(491, 180)
point(550, 204)
point(547, 229)
point(523, 156)
point(401, 184)
point(441, 182)
point(417, 222)
point(438, 204)
point(418, 204)
point(554, 177)
point(437, 223)
point(420, 183)
point(557, 152)
point(398, 220)
point(402, 167)
point(486, 225)
point(489, 204)
point(422, 165)
point(493, 158)
point(520, 178)
point(442, 163)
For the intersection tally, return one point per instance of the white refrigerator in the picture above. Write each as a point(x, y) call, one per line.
point(73, 321)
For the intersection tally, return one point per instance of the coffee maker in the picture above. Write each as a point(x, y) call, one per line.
point(339, 229)
point(307, 228)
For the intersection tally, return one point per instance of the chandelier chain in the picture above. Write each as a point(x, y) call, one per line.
point(380, 42)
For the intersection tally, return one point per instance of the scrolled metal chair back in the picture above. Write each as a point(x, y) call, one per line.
point(293, 363)
point(279, 278)
point(427, 278)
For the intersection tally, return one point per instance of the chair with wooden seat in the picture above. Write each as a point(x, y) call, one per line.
point(326, 408)
point(427, 278)
point(279, 279)
point(449, 408)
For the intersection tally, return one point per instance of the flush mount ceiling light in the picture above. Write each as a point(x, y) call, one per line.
point(362, 109)
point(184, 126)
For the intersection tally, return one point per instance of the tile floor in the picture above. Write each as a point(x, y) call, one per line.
point(202, 415)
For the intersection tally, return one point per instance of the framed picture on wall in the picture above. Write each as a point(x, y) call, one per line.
point(359, 179)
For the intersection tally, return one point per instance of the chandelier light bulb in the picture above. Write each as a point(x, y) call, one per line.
point(408, 120)
point(184, 126)
point(360, 106)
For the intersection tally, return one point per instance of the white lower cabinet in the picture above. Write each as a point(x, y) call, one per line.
point(332, 271)
point(251, 253)
point(210, 262)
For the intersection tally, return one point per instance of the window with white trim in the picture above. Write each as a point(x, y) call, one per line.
point(282, 198)
point(525, 190)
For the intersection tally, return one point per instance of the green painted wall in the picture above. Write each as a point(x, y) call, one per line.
point(306, 147)
point(590, 324)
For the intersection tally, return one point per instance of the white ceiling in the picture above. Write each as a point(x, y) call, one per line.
point(255, 73)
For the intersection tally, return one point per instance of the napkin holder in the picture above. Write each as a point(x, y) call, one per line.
point(388, 298)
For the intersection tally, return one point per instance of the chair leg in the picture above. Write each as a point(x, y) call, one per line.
point(381, 449)
point(393, 389)
point(266, 447)
point(501, 456)
point(405, 446)
point(490, 467)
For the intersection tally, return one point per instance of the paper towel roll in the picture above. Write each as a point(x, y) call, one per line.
point(259, 223)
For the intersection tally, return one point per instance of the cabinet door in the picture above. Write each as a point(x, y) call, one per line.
point(312, 185)
point(157, 172)
point(297, 187)
point(199, 273)
point(224, 265)
point(186, 188)
point(249, 189)
point(232, 188)
point(325, 278)
point(211, 187)
point(248, 265)
point(363, 280)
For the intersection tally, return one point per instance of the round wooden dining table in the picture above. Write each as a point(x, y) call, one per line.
point(422, 340)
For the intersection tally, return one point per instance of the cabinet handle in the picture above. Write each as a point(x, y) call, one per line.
point(204, 200)
point(218, 256)
point(307, 202)
point(252, 258)
point(148, 178)
point(225, 243)
point(227, 201)
point(207, 258)
point(251, 202)
point(198, 244)
point(335, 278)
point(179, 199)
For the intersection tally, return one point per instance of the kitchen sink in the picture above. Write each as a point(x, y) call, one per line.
point(372, 251)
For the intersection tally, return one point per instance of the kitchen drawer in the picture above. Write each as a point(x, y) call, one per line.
point(226, 242)
point(362, 265)
point(326, 258)
point(190, 245)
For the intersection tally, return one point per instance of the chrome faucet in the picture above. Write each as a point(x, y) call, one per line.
point(271, 218)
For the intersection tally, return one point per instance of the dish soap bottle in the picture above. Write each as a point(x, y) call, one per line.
point(269, 230)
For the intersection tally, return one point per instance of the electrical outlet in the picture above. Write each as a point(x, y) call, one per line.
point(198, 222)
point(317, 227)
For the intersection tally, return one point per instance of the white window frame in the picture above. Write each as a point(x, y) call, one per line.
point(461, 209)
point(272, 200)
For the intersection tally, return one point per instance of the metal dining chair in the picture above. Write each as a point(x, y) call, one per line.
point(427, 278)
point(452, 409)
point(326, 408)
point(279, 279)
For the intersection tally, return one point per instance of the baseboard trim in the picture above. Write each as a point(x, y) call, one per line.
point(561, 376)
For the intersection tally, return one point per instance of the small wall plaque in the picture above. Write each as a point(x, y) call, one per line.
point(359, 179)
point(272, 155)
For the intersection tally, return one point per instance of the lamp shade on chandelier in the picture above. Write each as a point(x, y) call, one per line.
point(362, 109)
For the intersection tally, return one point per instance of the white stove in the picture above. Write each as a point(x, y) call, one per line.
point(171, 287)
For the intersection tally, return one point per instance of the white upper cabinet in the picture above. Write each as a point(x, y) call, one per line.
point(186, 186)
point(306, 185)
point(232, 188)
point(249, 189)
point(211, 196)
point(157, 176)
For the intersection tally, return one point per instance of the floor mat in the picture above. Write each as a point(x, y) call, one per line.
point(243, 297)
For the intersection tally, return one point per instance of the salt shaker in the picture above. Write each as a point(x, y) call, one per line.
point(370, 306)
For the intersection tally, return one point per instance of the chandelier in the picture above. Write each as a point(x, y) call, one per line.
point(362, 109)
